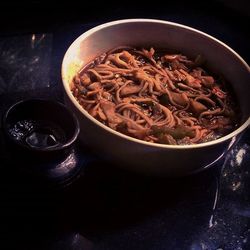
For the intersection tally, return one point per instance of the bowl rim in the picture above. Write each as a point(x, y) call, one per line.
point(129, 138)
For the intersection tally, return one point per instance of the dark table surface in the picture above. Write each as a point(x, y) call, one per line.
point(107, 207)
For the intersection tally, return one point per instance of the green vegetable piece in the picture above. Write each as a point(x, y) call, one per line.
point(177, 133)
point(164, 100)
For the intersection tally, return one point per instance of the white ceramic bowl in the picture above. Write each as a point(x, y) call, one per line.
point(144, 156)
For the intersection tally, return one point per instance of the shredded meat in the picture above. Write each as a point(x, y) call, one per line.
point(108, 109)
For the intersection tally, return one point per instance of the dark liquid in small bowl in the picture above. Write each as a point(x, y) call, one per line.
point(39, 134)
point(40, 126)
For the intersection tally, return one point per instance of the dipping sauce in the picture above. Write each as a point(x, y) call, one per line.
point(38, 134)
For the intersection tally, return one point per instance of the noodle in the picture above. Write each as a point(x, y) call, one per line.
point(156, 96)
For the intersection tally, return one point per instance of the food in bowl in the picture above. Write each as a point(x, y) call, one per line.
point(157, 96)
point(144, 156)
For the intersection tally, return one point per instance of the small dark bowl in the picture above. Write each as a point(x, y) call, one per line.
point(40, 137)
point(48, 113)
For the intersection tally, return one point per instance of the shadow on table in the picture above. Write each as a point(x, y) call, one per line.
point(108, 207)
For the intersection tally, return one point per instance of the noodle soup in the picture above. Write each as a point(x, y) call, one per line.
point(156, 96)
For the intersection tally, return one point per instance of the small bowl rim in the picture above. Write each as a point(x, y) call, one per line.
point(49, 149)
point(129, 138)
